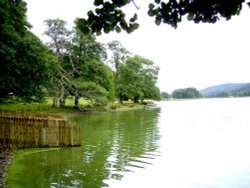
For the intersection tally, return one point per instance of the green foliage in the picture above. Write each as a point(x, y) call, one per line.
point(137, 80)
point(187, 93)
point(92, 91)
point(87, 56)
point(30, 73)
point(109, 15)
point(59, 35)
point(24, 59)
point(79, 63)
point(165, 95)
point(119, 54)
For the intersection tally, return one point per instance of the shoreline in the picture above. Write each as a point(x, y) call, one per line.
point(7, 156)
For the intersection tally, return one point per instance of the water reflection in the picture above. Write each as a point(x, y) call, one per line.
point(112, 144)
point(118, 142)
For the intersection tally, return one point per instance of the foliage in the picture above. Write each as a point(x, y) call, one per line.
point(72, 63)
point(110, 16)
point(59, 45)
point(87, 56)
point(137, 80)
point(79, 58)
point(165, 95)
point(24, 59)
point(90, 90)
point(186, 93)
point(31, 71)
point(119, 54)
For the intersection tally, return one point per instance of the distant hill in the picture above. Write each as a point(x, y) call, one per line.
point(227, 90)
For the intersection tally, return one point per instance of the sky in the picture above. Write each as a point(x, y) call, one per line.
point(193, 55)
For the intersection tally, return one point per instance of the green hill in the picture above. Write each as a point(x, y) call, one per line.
point(227, 90)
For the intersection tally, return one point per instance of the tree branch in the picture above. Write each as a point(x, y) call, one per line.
point(135, 5)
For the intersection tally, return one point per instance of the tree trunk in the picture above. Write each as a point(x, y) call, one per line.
point(62, 101)
point(54, 103)
point(76, 102)
point(136, 100)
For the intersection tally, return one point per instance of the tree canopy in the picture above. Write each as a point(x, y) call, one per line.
point(136, 80)
point(110, 15)
point(186, 93)
point(24, 60)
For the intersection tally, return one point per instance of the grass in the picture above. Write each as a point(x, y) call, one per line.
point(41, 108)
point(45, 108)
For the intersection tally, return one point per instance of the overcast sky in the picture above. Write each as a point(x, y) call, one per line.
point(193, 55)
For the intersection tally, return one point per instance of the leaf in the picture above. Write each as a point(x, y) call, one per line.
point(134, 18)
point(151, 12)
point(157, 1)
point(190, 17)
point(106, 30)
point(117, 29)
point(98, 2)
point(90, 13)
point(157, 22)
point(135, 26)
point(151, 6)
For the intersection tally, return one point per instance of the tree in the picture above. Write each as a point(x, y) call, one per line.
point(90, 90)
point(87, 56)
point(137, 80)
point(109, 15)
point(80, 59)
point(24, 59)
point(186, 93)
point(59, 35)
point(119, 54)
point(59, 44)
point(165, 95)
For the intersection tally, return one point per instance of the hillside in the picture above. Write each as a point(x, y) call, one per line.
point(227, 90)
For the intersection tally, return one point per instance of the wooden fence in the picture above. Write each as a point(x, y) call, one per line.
point(27, 132)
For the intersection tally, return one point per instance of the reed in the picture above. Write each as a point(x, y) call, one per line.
point(26, 132)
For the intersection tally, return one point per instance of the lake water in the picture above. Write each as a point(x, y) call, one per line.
point(182, 144)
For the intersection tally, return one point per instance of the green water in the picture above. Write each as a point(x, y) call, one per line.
point(113, 144)
point(183, 144)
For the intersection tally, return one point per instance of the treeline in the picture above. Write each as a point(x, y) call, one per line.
point(185, 93)
point(193, 93)
point(71, 64)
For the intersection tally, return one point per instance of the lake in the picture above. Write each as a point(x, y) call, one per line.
point(182, 144)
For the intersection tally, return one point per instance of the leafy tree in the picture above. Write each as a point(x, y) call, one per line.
point(59, 35)
point(59, 44)
point(80, 59)
point(90, 90)
point(88, 56)
point(119, 54)
point(109, 15)
point(137, 80)
point(24, 59)
point(165, 95)
point(186, 93)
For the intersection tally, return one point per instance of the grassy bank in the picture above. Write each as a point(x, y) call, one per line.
point(45, 108)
